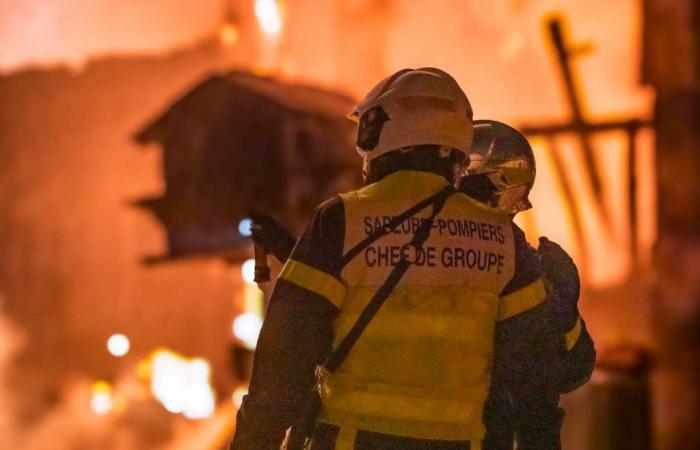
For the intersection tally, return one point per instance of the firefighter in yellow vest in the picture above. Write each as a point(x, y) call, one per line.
point(420, 373)
point(501, 172)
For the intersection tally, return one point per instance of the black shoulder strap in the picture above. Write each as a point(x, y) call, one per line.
point(337, 356)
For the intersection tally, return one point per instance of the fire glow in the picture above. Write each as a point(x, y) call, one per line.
point(138, 56)
point(101, 401)
point(180, 384)
point(269, 16)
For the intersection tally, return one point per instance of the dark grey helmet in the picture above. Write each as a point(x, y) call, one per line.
point(503, 155)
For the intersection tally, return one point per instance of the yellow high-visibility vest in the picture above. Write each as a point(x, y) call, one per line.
point(422, 368)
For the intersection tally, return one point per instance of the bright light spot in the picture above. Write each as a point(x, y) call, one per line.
point(101, 400)
point(244, 227)
point(246, 327)
point(253, 299)
point(118, 345)
point(228, 34)
point(248, 271)
point(269, 16)
point(512, 46)
point(238, 395)
point(182, 385)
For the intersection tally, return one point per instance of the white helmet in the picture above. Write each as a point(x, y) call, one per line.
point(413, 107)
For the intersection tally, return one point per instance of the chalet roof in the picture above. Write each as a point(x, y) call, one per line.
point(294, 98)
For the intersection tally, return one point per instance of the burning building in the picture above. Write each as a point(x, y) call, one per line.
point(198, 78)
point(239, 144)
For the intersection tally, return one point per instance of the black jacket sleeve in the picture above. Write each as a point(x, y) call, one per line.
point(524, 396)
point(296, 336)
point(577, 362)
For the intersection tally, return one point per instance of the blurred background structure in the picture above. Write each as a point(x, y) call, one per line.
point(137, 137)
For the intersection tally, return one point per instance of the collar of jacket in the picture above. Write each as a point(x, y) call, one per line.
point(405, 183)
point(382, 169)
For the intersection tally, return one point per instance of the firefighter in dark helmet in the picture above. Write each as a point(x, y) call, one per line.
point(420, 373)
point(501, 173)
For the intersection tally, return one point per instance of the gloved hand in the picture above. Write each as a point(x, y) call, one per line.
point(268, 233)
point(257, 428)
point(563, 280)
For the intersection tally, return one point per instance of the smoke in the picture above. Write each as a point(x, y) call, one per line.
point(41, 32)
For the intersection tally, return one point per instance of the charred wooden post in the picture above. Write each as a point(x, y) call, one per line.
point(620, 400)
point(584, 130)
point(632, 187)
point(672, 66)
point(578, 123)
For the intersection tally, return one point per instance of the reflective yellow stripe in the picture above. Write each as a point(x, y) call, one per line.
point(421, 417)
point(521, 300)
point(345, 439)
point(315, 281)
point(572, 336)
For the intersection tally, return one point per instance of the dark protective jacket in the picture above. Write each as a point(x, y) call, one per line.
point(426, 371)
